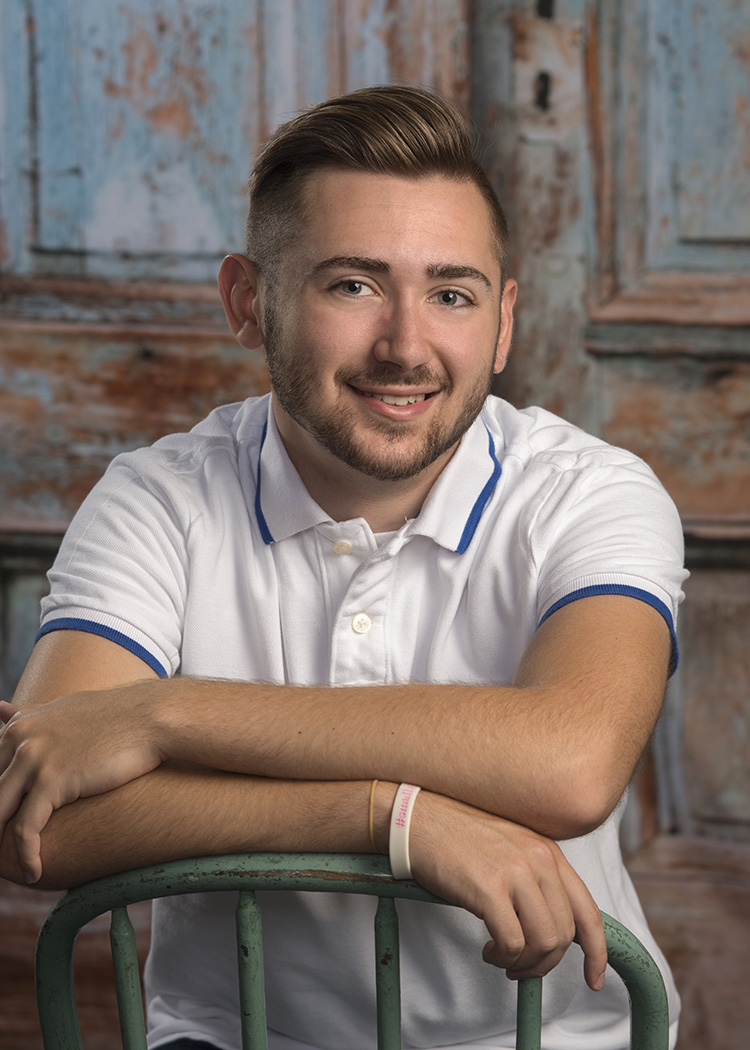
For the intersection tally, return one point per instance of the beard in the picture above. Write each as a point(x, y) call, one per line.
point(394, 456)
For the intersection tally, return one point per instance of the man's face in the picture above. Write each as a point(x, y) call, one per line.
point(383, 329)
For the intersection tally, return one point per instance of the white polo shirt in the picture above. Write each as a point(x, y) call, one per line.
point(206, 555)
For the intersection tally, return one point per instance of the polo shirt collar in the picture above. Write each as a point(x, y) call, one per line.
point(450, 515)
point(283, 506)
point(452, 510)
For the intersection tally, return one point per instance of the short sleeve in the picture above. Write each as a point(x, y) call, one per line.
point(121, 571)
point(605, 525)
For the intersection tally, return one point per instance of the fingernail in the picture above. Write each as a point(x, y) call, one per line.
point(599, 983)
point(29, 876)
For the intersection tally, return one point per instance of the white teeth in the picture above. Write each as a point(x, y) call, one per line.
point(410, 400)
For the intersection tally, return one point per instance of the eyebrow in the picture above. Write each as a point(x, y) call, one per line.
point(352, 262)
point(455, 271)
point(443, 271)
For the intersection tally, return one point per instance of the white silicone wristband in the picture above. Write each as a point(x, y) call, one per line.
point(398, 838)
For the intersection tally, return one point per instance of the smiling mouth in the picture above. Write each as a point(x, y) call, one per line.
point(407, 399)
point(392, 399)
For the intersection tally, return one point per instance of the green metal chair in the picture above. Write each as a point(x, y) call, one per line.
point(338, 873)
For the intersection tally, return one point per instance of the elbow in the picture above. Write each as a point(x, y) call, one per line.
point(582, 799)
point(579, 820)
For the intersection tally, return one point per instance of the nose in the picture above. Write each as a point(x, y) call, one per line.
point(402, 340)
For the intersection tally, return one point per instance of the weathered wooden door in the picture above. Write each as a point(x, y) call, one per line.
point(623, 143)
point(127, 136)
point(618, 132)
point(127, 132)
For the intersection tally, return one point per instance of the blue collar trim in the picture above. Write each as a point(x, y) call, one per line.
point(481, 501)
point(262, 523)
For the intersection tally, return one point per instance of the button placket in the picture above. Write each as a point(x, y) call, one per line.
point(358, 643)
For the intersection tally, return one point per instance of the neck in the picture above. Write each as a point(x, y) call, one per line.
point(384, 505)
point(345, 493)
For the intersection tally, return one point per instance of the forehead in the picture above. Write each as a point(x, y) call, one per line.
point(410, 221)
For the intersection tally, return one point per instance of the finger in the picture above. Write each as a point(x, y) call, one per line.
point(508, 939)
point(589, 930)
point(526, 939)
point(547, 921)
point(13, 787)
point(11, 734)
point(28, 825)
point(7, 711)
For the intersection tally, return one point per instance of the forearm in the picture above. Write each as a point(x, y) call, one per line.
point(553, 751)
point(470, 743)
point(456, 740)
point(180, 810)
point(520, 884)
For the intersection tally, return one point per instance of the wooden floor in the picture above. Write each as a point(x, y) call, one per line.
point(696, 895)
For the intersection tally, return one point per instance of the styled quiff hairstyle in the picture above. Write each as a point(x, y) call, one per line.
point(387, 130)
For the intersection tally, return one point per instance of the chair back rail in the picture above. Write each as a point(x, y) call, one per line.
point(322, 872)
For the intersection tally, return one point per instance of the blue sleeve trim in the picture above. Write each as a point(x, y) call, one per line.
point(481, 501)
point(629, 592)
point(71, 623)
point(262, 523)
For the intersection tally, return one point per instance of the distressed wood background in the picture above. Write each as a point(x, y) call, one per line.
point(618, 135)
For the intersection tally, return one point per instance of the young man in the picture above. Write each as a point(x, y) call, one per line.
point(378, 571)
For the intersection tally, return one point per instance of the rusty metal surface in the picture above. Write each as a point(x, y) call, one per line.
point(354, 873)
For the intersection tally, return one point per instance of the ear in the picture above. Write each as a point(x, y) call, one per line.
point(505, 334)
point(241, 293)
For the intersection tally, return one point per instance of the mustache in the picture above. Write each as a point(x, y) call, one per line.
point(385, 376)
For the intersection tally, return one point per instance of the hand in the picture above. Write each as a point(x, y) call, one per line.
point(517, 881)
point(79, 745)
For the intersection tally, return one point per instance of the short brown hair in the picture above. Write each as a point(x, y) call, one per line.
point(388, 130)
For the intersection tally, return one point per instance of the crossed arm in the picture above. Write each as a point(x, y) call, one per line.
point(136, 770)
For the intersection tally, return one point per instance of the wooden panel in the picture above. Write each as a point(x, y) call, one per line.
point(137, 123)
point(716, 702)
point(24, 562)
point(130, 133)
point(70, 402)
point(531, 105)
point(708, 49)
point(137, 159)
point(667, 158)
point(687, 416)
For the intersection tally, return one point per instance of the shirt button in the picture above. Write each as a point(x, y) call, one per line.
point(361, 623)
point(342, 547)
